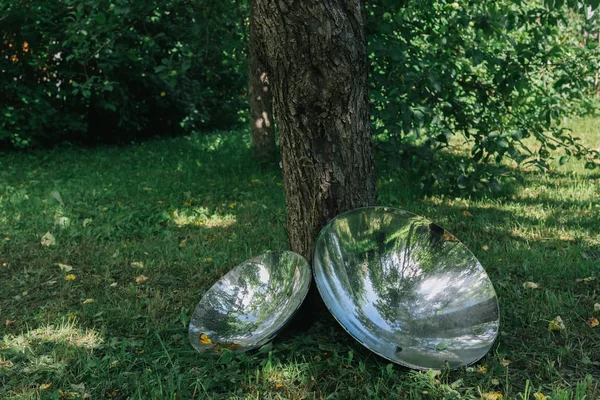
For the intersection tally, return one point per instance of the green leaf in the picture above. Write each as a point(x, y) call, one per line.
point(462, 181)
point(563, 160)
point(226, 357)
point(101, 18)
point(266, 348)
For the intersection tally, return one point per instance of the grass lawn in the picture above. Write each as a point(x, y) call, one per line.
point(142, 231)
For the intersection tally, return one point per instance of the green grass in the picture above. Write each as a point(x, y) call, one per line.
point(189, 209)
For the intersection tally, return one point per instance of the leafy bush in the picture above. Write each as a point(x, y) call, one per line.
point(114, 70)
point(491, 73)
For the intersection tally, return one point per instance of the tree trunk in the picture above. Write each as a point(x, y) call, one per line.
point(260, 102)
point(317, 65)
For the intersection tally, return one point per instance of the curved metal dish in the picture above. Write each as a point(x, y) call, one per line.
point(248, 306)
point(405, 288)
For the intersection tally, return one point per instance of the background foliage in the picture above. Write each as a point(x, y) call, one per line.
point(114, 70)
point(497, 77)
point(489, 73)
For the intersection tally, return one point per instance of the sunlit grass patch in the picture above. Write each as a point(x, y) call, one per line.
point(66, 333)
point(183, 211)
point(200, 216)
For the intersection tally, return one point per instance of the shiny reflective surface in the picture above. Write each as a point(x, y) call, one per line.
point(405, 288)
point(251, 303)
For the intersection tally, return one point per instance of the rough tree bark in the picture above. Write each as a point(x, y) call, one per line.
point(260, 102)
point(316, 59)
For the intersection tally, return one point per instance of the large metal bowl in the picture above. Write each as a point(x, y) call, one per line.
point(405, 288)
point(248, 306)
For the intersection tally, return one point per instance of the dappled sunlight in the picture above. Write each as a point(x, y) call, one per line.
point(200, 216)
point(290, 380)
point(66, 333)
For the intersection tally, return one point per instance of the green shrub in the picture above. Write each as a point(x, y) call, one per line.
point(489, 73)
point(116, 70)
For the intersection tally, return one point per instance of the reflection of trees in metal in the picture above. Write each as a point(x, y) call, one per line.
point(251, 303)
point(406, 288)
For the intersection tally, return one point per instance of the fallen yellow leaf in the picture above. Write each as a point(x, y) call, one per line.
point(505, 362)
point(70, 277)
point(493, 396)
point(482, 369)
point(530, 285)
point(556, 324)
point(141, 279)
point(588, 279)
point(278, 386)
point(88, 301)
point(65, 267)
point(232, 205)
point(539, 396)
point(466, 214)
point(48, 240)
point(204, 339)
point(593, 322)
point(45, 386)
point(485, 247)
point(137, 264)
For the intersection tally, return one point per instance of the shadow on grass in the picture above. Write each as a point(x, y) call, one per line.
point(192, 208)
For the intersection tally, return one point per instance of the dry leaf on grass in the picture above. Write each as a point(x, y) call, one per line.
point(48, 240)
point(65, 267)
point(70, 277)
point(88, 301)
point(141, 279)
point(593, 322)
point(493, 396)
point(597, 307)
point(556, 324)
point(530, 285)
point(137, 264)
point(588, 279)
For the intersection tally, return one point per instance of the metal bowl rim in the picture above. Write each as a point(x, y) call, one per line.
point(403, 212)
point(276, 331)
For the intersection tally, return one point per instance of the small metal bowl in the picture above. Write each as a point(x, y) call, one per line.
point(250, 304)
point(405, 288)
